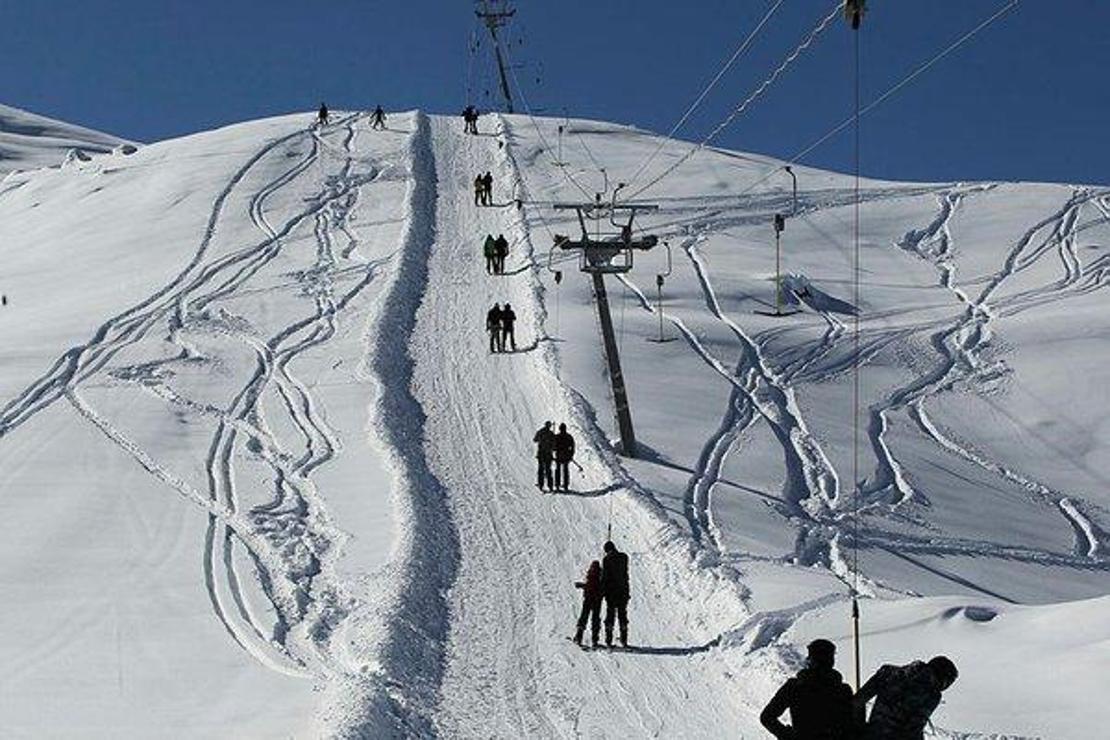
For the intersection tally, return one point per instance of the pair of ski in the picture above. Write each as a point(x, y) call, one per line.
point(586, 647)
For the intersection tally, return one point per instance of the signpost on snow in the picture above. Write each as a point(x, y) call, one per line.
point(603, 254)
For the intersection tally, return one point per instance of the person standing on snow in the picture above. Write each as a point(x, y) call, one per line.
point(322, 115)
point(819, 701)
point(905, 697)
point(502, 251)
point(470, 120)
point(591, 604)
point(564, 453)
point(479, 191)
point(489, 250)
point(508, 320)
point(545, 446)
point(377, 119)
point(614, 587)
point(487, 188)
point(493, 326)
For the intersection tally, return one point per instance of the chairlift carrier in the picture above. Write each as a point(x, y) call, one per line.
point(606, 253)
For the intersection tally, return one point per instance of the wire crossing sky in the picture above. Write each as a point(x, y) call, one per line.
point(1025, 100)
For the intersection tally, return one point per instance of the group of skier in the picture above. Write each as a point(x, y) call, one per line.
point(495, 251)
point(483, 190)
point(500, 323)
point(470, 119)
point(377, 118)
point(822, 706)
point(553, 450)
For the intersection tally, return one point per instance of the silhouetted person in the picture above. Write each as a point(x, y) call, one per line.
point(614, 587)
point(487, 187)
point(545, 448)
point(905, 697)
point(508, 321)
point(322, 115)
point(819, 701)
point(479, 191)
point(493, 326)
point(564, 453)
point(591, 604)
point(470, 120)
point(502, 250)
point(489, 250)
point(377, 118)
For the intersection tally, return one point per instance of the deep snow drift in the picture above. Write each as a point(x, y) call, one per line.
point(29, 141)
point(262, 478)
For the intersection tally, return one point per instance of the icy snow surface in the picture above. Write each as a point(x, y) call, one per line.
point(261, 477)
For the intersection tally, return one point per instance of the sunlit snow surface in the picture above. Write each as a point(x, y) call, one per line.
point(261, 477)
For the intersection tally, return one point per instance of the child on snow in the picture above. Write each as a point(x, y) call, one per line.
point(591, 603)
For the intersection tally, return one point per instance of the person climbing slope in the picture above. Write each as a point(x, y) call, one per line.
point(819, 702)
point(493, 326)
point(544, 440)
point(508, 321)
point(905, 697)
point(479, 191)
point(501, 251)
point(322, 115)
point(487, 188)
point(564, 454)
point(614, 587)
point(591, 604)
point(377, 119)
point(489, 250)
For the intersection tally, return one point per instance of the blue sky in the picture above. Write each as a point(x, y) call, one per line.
point(1026, 100)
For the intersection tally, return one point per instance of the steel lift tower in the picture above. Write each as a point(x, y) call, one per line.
point(495, 14)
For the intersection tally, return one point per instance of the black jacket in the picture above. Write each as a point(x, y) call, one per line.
point(545, 443)
point(614, 576)
point(820, 705)
point(564, 447)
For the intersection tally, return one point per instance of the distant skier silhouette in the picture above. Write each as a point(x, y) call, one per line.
point(377, 119)
point(905, 697)
point(544, 440)
point(819, 702)
point(564, 453)
point(322, 115)
point(591, 604)
point(614, 587)
point(494, 319)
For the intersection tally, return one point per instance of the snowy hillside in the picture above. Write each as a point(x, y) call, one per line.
point(28, 141)
point(262, 477)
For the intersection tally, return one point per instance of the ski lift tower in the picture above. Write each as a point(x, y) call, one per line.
point(601, 254)
point(495, 14)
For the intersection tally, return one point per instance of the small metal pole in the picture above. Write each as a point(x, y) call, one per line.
point(855, 636)
point(659, 303)
point(794, 208)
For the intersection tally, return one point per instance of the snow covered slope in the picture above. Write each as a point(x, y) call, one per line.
point(262, 478)
point(28, 141)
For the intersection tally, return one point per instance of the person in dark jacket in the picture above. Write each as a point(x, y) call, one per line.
point(591, 604)
point(479, 191)
point(489, 250)
point(377, 119)
point(508, 321)
point(564, 453)
point(494, 318)
point(470, 120)
point(905, 697)
point(502, 250)
point(614, 587)
point(322, 115)
point(819, 701)
point(487, 188)
point(545, 447)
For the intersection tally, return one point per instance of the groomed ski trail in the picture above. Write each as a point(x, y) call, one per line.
point(510, 672)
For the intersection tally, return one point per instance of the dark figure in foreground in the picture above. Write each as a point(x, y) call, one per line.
point(591, 604)
point(501, 249)
point(508, 321)
point(905, 697)
point(545, 446)
point(493, 326)
point(479, 191)
point(819, 701)
point(470, 120)
point(489, 250)
point(322, 115)
point(614, 587)
point(377, 119)
point(564, 453)
point(487, 188)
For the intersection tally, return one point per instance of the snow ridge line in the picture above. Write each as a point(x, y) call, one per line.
point(399, 699)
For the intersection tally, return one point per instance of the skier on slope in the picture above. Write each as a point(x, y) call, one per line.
point(591, 604)
point(545, 446)
point(479, 191)
point(489, 250)
point(322, 115)
point(564, 454)
point(508, 321)
point(493, 326)
point(377, 119)
point(487, 188)
point(905, 697)
point(819, 701)
point(502, 251)
point(614, 587)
